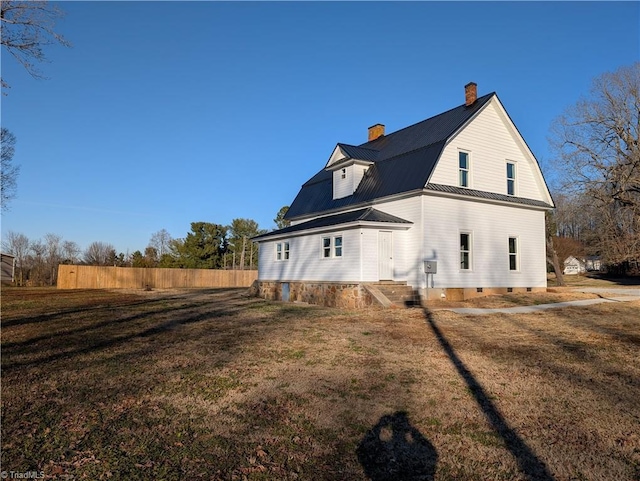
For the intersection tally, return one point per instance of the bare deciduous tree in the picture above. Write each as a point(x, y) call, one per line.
point(161, 241)
point(97, 254)
point(37, 267)
point(27, 27)
point(53, 254)
point(8, 171)
point(17, 245)
point(70, 252)
point(598, 147)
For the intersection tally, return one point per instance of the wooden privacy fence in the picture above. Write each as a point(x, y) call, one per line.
point(101, 277)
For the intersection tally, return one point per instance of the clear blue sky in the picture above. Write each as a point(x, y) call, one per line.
point(166, 113)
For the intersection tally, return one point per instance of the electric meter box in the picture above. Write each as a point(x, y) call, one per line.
point(430, 267)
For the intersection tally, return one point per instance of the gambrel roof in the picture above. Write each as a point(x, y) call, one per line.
point(401, 162)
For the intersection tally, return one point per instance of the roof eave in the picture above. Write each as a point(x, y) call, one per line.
point(511, 203)
point(332, 228)
point(348, 161)
point(359, 205)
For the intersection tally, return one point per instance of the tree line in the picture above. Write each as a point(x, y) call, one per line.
point(597, 148)
point(206, 246)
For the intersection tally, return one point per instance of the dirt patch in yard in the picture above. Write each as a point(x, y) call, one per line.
point(211, 384)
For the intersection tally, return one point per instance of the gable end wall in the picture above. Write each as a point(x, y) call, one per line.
point(490, 144)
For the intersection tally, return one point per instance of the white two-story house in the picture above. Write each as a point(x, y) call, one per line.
point(461, 189)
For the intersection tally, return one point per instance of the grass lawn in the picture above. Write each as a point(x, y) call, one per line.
point(210, 384)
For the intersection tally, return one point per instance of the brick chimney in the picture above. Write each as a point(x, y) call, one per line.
point(376, 131)
point(470, 93)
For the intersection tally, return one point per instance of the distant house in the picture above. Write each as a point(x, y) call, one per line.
point(8, 267)
point(593, 263)
point(461, 189)
point(574, 266)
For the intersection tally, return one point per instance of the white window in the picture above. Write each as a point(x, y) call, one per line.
point(337, 246)
point(511, 178)
point(282, 251)
point(463, 169)
point(332, 247)
point(513, 254)
point(465, 251)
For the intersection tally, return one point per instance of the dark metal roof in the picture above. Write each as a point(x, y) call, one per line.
point(368, 214)
point(403, 161)
point(360, 153)
point(487, 195)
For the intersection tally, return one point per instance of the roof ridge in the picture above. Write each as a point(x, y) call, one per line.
point(359, 147)
point(367, 211)
point(479, 99)
point(412, 151)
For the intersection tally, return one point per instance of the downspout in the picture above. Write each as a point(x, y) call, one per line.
point(361, 274)
point(423, 235)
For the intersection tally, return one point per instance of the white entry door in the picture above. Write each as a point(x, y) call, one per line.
point(385, 255)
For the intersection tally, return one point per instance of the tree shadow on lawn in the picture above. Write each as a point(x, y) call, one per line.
point(576, 355)
point(96, 336)
point(529, 464)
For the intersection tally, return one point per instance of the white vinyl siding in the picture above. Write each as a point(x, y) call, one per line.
point(347, 179)
point(492, 144)
point(307, 263)
point(359, 256)
point(491, 225)
point(435, 237)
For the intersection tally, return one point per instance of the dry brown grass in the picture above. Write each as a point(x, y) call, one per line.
point(514, 300)
point(213, 385)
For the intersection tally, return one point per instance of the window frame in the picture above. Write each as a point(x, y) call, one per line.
point(332, 249)
point(468, 251)
point(466, 170)
point(515, 255)
point(283, 251)
point(511, 181)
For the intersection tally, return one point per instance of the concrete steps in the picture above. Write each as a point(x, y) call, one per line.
point(395, 294)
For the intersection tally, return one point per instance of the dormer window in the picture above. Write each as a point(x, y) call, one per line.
point(348, 165)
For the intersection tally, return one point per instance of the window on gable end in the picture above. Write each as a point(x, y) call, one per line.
point(463, 169)
point(511, 178)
